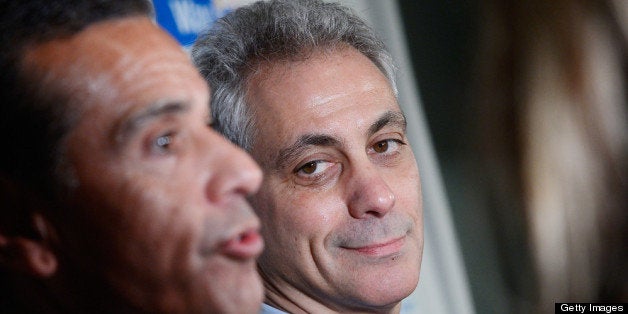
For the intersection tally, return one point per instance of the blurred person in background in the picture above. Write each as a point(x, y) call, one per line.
point(116, 196)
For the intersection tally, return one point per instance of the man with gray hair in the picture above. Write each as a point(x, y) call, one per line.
point(309, 91)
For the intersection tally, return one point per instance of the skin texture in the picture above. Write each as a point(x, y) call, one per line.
point(157, 209)
point(340, 203)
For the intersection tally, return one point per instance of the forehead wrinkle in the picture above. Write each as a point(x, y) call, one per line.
point(288, 154)
point(154, 61)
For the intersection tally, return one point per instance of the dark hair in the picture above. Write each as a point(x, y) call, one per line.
point(276, 30)
point(33, 121)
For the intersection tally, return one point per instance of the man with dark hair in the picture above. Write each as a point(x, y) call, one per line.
point(308, 89)
point(115, 194)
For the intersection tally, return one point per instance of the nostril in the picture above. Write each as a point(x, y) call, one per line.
point(374, 213)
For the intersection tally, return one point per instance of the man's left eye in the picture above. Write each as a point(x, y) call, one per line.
point(386, 145)
point(381, 147)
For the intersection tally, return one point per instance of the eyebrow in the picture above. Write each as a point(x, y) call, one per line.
point(287, 155)
point(130, 126)
point(389, 118)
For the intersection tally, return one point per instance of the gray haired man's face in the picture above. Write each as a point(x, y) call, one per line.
point(340, 203)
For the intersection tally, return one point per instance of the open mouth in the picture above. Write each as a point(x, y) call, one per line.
point(245, 245)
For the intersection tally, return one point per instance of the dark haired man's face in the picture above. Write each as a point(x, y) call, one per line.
point(158, 208)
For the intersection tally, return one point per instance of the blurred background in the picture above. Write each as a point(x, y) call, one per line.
point(526, 104)
point(517, 112)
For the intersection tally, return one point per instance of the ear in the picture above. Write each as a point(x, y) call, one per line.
point(32, 255)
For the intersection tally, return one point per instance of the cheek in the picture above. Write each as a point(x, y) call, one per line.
point(406, 184)
point(297, 215)
point(155, 229)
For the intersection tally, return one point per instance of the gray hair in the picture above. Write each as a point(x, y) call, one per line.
point(278, 30)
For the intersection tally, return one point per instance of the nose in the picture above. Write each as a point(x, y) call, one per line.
point(369, 194)
point(234, 172)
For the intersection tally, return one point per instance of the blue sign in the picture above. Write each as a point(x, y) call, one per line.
point(185, 19)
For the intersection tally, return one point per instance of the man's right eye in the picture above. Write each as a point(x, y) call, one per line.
point(313, 169)
point(309, 168)
point(163, 143)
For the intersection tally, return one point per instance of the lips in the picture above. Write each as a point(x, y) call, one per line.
point(382, 249)
point(247, 244)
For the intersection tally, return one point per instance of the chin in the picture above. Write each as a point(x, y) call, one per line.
point(251, 297)
point(386, 288)
point(242, 292)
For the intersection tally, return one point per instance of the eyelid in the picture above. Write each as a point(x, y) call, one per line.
point(136, 122)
